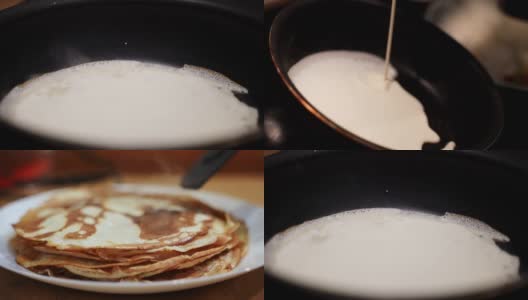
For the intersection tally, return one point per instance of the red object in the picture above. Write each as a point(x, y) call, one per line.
point(25, 172)
point(5, 183)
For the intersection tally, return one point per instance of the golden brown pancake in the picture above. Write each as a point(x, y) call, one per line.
point(101, 234)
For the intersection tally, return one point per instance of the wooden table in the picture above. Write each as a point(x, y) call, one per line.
point(249, 187)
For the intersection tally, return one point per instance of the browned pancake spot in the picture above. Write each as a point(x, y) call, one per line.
point(155, 224)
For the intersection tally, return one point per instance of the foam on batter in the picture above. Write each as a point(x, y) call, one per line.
point(123, 103)
point(384, 252)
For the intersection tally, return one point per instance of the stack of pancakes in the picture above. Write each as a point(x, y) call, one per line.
point(102, 234)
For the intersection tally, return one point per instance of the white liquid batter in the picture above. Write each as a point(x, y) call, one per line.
point(385, 252)
point(349, 88)
point(131, 104)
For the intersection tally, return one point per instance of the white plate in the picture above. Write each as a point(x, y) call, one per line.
point(252, 216)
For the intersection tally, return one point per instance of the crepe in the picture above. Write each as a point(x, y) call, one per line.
point(102, 234)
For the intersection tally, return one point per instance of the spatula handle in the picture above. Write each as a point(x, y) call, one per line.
point(205, 168)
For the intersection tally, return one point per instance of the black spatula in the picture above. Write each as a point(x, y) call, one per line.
point(205, 168)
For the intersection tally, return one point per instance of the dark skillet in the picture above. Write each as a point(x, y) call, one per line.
point(303, 185)
point(460, 98)
point(515, 8)
point(44, 36)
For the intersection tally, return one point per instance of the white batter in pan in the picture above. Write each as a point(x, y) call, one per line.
point(383, 252)
point(122, 103)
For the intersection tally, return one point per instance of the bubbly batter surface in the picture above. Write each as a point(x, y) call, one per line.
point(122, 103)
point(383, 252)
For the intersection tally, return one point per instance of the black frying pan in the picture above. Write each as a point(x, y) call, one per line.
point(44, 36)
point(304, 185)
point(460, 98)
point(515, 8)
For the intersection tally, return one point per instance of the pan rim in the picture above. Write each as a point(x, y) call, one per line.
point(286, 157)
point(29, 7)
